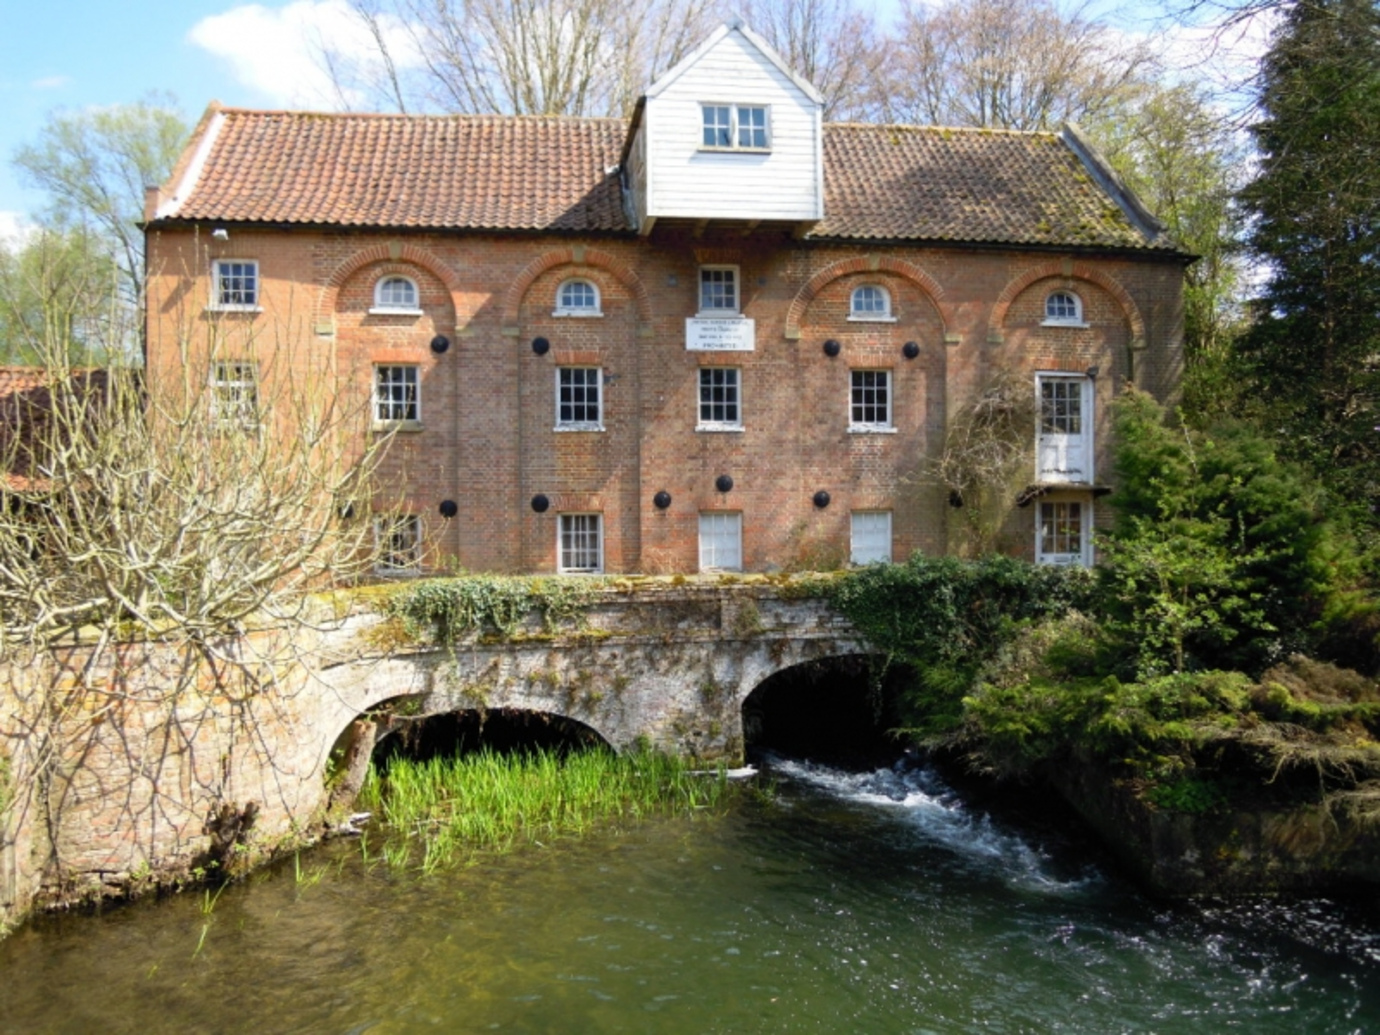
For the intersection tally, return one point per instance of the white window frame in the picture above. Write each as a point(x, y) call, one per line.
point(701, 422)
point(391, 400)
point(888, 426)
point(857, 538)
point(720, 311)
point(566, 526)
point(222, 274)
point(233, 386)
point(1058, 444)
point(598, 385)
point(735, 110)
point(870, 315)
point(398, 560)
point(721, 540)
point(568, 310)
point(1076, 320)
point(385, 308)
point(1082, 557)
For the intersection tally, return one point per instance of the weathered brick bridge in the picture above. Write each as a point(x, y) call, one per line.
point(658, 662)
point(159, 745)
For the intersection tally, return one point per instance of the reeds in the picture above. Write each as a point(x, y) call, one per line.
point(484, 801)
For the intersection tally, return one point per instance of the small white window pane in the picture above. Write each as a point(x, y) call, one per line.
point(396, 393)
point(1062, 305)
point(237, 283)
point(718, 130)
point(719, 290)
point(719, 398)
point(721, 542)
point(577, 396)
point(871, 398)
point(396, 293)
point(870, 300)
point(1062, 533)
point(234, 393)
point(871, 536)
point(399, 543)
point(1061, 406)
point(578, 294)
point(581, 545)
point(752, 127)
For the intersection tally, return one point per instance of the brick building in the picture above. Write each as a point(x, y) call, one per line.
point(718, 335)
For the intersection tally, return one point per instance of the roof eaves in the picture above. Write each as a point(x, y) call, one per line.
point(687, 62)
point(212, 123)
point(1111, 182)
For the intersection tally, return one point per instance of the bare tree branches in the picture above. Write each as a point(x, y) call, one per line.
point(1009, 64)
point(835, 44)
point(523, 57)
point(173, 511)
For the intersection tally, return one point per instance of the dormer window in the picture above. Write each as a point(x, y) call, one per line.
point(1063, 309)
point(870, 302)
point(735, 127)
point(577, 298)
point(718, 290)
point(396, 295)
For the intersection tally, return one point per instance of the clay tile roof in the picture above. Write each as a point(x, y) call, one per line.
point(925, 183)
point(557, 174)
point(17, 380)
point(455, 171)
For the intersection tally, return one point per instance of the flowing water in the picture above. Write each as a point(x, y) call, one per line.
point(870, 903)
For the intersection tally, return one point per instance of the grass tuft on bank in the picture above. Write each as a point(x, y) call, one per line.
point(448, 809)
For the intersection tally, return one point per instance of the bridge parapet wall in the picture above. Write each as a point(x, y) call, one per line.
point(162, 742)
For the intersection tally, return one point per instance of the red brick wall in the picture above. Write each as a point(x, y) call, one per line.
point(488, 403)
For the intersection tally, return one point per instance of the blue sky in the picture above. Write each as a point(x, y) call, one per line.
point(75, 54)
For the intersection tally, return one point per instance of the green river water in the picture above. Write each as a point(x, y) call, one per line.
point(868, 903)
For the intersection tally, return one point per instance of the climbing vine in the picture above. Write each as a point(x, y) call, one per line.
point(445, 609)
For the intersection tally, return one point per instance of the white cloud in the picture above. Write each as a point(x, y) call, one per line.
point(279, 50)
point(15, 230)
point(1225, 53)
point(51, 82)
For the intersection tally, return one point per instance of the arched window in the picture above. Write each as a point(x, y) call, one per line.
point(396, 294)
point(870, 302)
point(1063, 307)
point(577, 298)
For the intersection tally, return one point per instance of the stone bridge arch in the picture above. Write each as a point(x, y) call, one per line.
point(670, 668)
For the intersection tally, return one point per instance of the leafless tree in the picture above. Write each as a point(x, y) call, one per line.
point(182, 505)
point(1010, 64)
point(524, 57)
point(835, 44)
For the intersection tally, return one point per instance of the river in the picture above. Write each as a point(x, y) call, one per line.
point(868, 902)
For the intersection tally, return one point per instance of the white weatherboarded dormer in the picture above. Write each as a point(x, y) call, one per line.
point(729, 134)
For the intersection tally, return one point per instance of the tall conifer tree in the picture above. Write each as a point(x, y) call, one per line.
point(1315, 207)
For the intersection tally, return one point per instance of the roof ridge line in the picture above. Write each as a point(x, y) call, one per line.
point(438, 117)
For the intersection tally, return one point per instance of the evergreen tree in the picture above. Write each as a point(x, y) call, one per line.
point(1314, 348)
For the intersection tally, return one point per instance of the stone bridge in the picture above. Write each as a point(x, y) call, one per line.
point(662, 662)
point(163, 759)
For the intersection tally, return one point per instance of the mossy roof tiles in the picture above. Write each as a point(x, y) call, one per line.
point(533, 173)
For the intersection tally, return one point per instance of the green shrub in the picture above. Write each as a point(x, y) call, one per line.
point(1221, 555)
point(945, 618)
point(1189, 794)
point(445, 609)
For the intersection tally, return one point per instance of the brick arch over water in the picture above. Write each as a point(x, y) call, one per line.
point(680, 689)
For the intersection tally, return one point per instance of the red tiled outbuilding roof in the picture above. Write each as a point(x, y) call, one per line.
point(530, 173)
